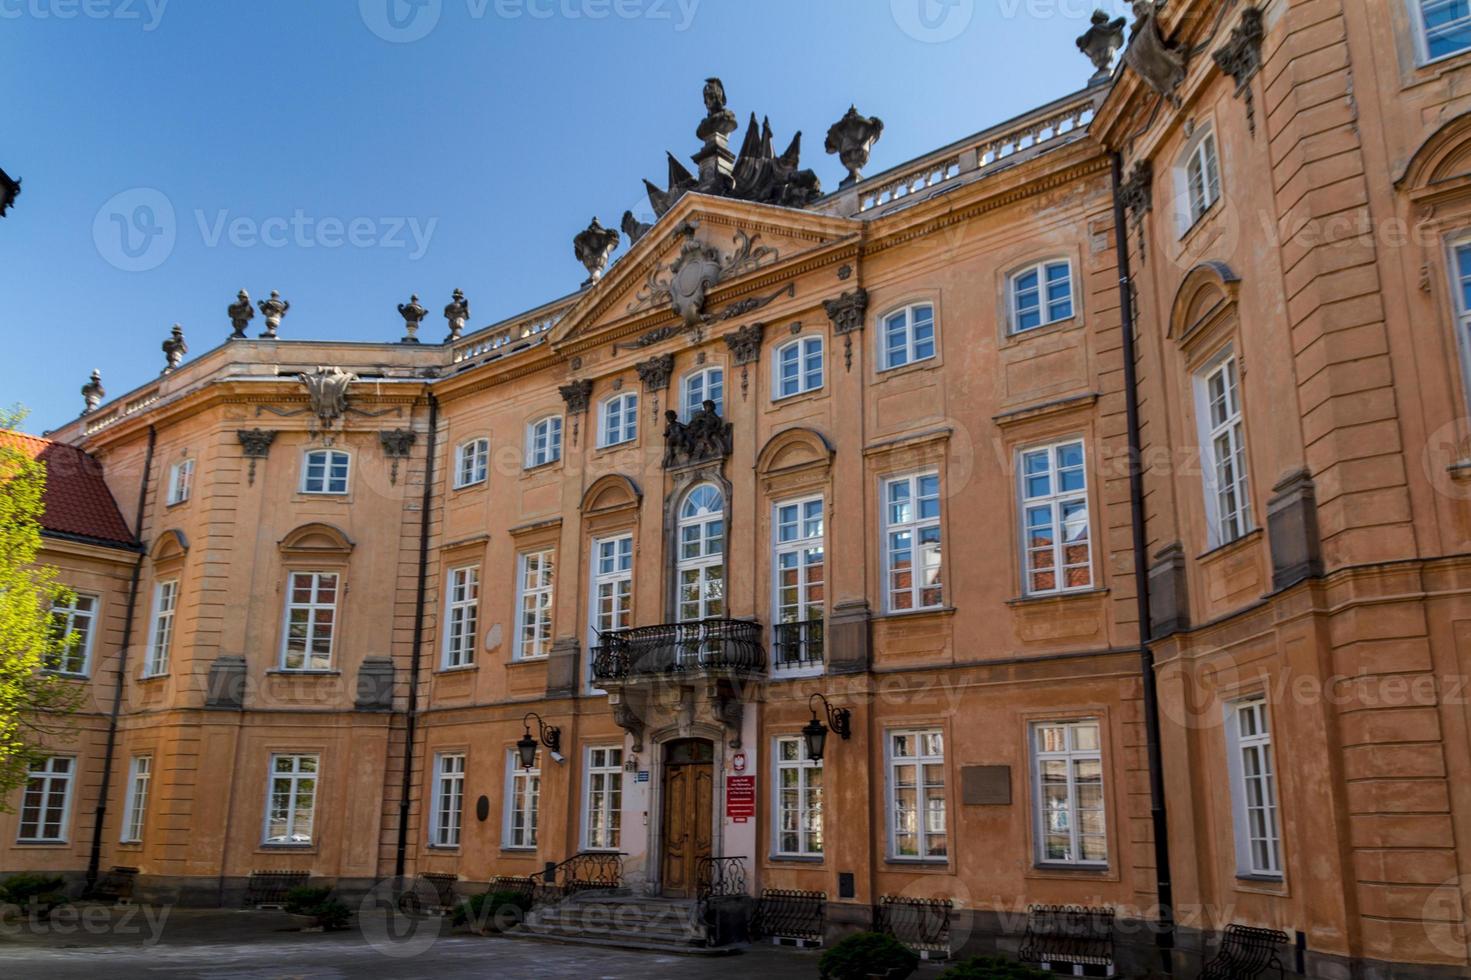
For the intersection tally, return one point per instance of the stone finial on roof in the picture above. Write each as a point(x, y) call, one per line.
point(593, 245)
point(174, 349)
point(852, 138)
point(1101, 42)
point(413, 314)
point(457, 312)
point(93, 392)
point(241, 313)
point(274, 309)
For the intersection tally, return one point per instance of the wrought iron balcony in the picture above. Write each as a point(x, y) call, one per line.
point(676, 648)
point(798, 646)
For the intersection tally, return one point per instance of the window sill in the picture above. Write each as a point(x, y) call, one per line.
point(1047, 597)
point(296, 672)
point(445, 848)
point(518, 852)
point(1056, 870)
point(1015, 337)
point(68, 675)
point(145, 678)
point(917, 613)
point(1253, 878)
point(476, 485)
point(796, 673)
point(176, 503)
point(882, 374)
point(304, 848)
point(528, 661)
point(542, 467)
point(613, 447)
point(458, 668)
point(932, 864)
point(1210, 554)
point(796, 858)
point(42, 843)
point(1188, 232)
point(797, 397)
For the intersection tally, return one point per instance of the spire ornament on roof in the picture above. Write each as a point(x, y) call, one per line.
point(852, 138)
point(241, 313)
point(457, 312)
point(413, 314)
point(93, 392)
point(593, 245)
point(1100, 43)
point(274, 309)
point(174, 349)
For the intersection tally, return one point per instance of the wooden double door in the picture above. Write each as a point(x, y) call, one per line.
point(686, 824)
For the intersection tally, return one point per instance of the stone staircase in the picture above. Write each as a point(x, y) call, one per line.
point(665, 925)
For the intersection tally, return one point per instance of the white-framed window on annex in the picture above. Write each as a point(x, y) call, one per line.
point(1041, 294)
point(602, 812)
point(161, 628)
point(45, 806)
point(535, 571)
point(291, 800)
point(1253, 789)
point(916, 784)
point(1460, 269)
point(1057, 540)
point(1222, 433)
point(618, 420)
point(700, 562)
point(544, 441)
point(461, 616)
point(799, 580)
point(135, 804)
point(181, 481)
point(1198, 178)
point(908, 335)
point(523, 800)
point(325, 471)
point(75, 619)
point(1067, 789)
point(797, 367)
point(913, 567)
point(449, 799)
point(311, 621)
point(472, 463)
point(698, 387)
point(1443, 26)
point(796, 820)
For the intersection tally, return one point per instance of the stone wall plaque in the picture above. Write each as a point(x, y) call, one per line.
point(985, 785)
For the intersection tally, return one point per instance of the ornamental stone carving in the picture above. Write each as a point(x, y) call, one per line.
point(1100, 43)
point(847, 313)
point(273, 309)
point(174, 349)
point(628, 719)
point(413, 314)
point(705, 437)
point(593, 246)
point(396, 445)
point(93, 393)
point(633, 228)
point(745, 343)
point(1160, 65)
point(1241, 58)
point(577, 395)
point(1137, 195)
point(241, 313)
point(656, 372)
point(852, 139)
point(457, 312)
point(326, 389)
point(9, 191)
point(256, 445)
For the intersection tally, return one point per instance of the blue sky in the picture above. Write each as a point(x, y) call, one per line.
point(350, 152)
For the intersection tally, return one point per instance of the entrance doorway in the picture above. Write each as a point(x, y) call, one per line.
point(687, 821)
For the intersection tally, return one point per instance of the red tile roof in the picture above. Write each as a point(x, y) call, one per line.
point(77, 501)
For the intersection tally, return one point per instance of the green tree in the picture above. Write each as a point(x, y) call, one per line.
point(33, 703)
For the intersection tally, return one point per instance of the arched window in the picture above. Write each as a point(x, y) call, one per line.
point(544, 441)
point(908, 335)
point(798, 367)
point(472, 463)
point(700, 562)
point(700, 386)
point(1041, 294)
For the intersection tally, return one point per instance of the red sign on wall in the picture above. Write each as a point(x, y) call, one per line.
point(740, 798)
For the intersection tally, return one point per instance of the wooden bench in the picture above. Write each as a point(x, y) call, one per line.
point(1069, 939)
point(1246, 952)
point(269, 888)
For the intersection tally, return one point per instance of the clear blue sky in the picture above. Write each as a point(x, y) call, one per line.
point(497, 134)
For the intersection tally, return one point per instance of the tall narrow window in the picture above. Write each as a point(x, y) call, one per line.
point(161, 630)
point(701, 558)
point(917, 794)
point(603, 818)
point(523, 798)
point(135, 806)
point(798, 366)
point(544, 441)
point(1067, 768)
point(1223, 450)
point(1445, 27)
point(534, 602)
point(449, 799)
point(612, 584)
point(73, 623)
point(1202, 176)
point(462, 616)
point(1041, 294)
point(472, 463)
point(798, 799)
point(181, 481)
point(311, 621)
point(618, 419)
point(704, 385)
point(1253, 789)
point(912, 557)
point(1056, 536)
point(291, 799)
point(45, 808)
point(799, 579)
point(325, 471)
point(908, 336)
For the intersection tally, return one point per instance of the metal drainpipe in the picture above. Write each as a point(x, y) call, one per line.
point(412, 715)
point(1165, 936)
point(94, 859)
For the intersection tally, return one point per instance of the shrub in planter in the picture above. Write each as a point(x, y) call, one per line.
point(993, 968)
point(868, 954)
point(332, 915)
point(326, 912)
point(34, 892)
point(492, 911)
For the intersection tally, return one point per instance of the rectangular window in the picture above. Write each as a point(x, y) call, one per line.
point(135, 806)
point(291, 799)
point(181, 481)
point(798, 799)
point(311, 620)
point(523, 797)
point(46, 805)
point(1445, 27)
point(912, 556)
point(161, 631)
point(1041, 295)
point(798, 366)
point(908, 336)
point(544, 442)
point(534, 605)
point(917, 795)
point(325, 472)
point(619, 420)
point(612, 584)
point(700, 387)
point(1223, 450)
point(799, 580)
point(74, 622)
point(472, 464)
point(1203, 176)
point(603, 818)
point(449, 799)
point(1067, 771)
point(461, 616)
point(1056, 536)
point(1253, 789)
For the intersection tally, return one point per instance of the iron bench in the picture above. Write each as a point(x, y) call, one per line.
point(1246, 952)
point(1069, 939)
point(432, 893)
point(269, 888)
point(796, 916)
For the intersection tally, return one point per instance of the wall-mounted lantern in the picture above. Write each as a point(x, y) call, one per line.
point(840, 720)
point(550, 736)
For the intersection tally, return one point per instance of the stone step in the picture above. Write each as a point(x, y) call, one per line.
point(673, 935)
point(623, 942)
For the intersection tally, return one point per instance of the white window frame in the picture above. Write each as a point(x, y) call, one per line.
point(602, 797)
point(1460, 287)
point(472, 463)
point(809, 815)
point(295, 778)
point(161, 627)
point(1223, 528)
point(1070, 756)
point(618, 419)
point(705, 604)
point(519, 781)
point(181, 481)
point(1058, 501)
point(696, 386)
point(924, 793)
point(332, 460)
point(610, 567)
point(135, 802)
point(56, 775)
point(799, 550)
point(891, 357)
point(807, 348)
point(1044, 302)
point(314, 608)
point(1422, 32)
point(79, 616)
point(1203, 151)
point(536, 582)
point(448, 810)
point(543, 441)
point(461, 617)
point(916, 526)
point(1257, 744)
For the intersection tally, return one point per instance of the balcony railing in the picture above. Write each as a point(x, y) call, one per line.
point(674, 648)
point(797, 646)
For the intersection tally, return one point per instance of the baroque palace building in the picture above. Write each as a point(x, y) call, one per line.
point(874, 445)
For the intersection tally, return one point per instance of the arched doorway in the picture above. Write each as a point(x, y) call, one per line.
point(686, 818)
